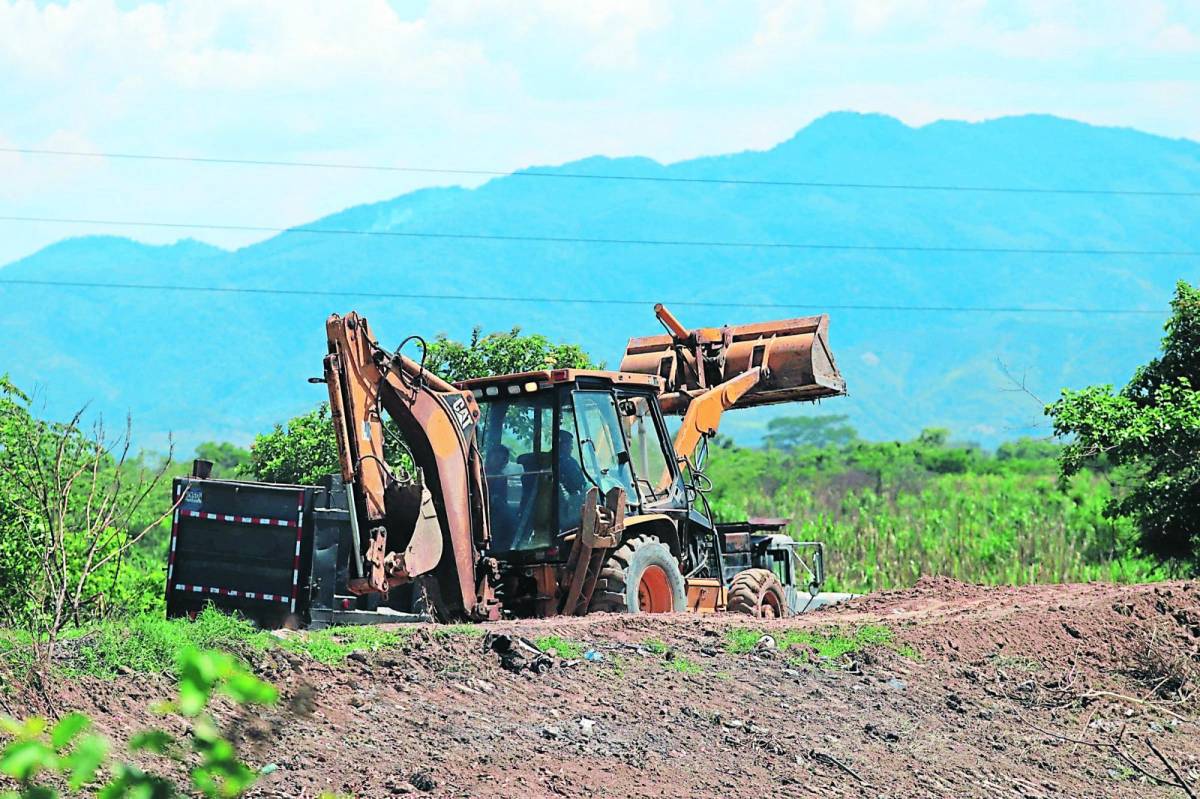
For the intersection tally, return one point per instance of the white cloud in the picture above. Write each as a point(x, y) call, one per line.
point(497, 84)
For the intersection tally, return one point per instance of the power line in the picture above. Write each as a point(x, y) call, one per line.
point(767, 245)
point(528, 173)
point(381, 295)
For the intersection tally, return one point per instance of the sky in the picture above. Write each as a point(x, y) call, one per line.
point(493, 85)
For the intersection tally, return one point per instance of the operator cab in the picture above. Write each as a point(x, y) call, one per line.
point(548, 437)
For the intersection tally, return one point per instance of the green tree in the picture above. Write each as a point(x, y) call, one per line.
point(1028, 449)
point(302, 451)
point(791, 432)
point(1150, 430)
point(227, 459)
point(501, 354)
point(305, 449)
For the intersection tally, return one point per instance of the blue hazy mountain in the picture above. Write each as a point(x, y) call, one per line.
point(208, 365)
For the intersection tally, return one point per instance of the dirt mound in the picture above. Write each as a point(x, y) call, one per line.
point(1040, 691)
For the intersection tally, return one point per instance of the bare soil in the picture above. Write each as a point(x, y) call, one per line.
point(1041, 691)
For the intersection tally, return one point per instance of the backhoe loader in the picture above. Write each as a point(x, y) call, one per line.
point(558, 491)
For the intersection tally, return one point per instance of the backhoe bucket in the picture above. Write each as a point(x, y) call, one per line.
point(794, 355)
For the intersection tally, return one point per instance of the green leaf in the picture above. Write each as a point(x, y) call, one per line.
point(23, 759)
point(157, 741)
point(33, 727)
point(198, 673)
point(67, 728)
point(84, 760)
point(131, 782)
point(193, 697)
point(245, 688)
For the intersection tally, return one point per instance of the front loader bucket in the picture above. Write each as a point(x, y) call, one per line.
point(794, 354)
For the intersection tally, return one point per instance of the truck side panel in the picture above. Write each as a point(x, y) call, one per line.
point(241, 546)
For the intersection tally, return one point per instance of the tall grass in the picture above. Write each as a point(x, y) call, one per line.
point(886, 530)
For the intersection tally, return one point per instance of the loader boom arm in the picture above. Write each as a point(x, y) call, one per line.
point(435, 526)
point(703, 415)
point(707, 371)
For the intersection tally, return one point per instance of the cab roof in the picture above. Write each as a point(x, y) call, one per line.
point(546, 377)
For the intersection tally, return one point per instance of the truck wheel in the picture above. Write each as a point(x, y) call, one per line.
point(642, 576)
point(757, 592)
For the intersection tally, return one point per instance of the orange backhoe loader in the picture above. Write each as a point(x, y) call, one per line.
point(558, 491)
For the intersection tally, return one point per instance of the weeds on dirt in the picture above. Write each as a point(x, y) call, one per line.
point(684, 666)
point(334, 644)
point(16, 653)
point(152, 644)
point(561, 647)
point(656, 646)
point(829, 644)
point(1169, 672)
point(1016, 663)
point(452, 630)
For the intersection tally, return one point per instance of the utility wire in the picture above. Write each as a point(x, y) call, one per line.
point(766, 245)
point(382, 295)
point(527, 173)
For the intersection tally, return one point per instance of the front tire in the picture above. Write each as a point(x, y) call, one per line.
point(758, 593)
point(642, 576)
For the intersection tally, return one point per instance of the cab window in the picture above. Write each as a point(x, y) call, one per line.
point(648, 449)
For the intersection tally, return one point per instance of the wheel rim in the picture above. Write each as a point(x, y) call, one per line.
point(770, 606)
point(654, 591)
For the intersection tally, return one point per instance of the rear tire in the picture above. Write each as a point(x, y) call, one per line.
point(641, 576)
point(758, 593)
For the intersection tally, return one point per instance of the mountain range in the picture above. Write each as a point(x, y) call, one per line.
point(207, 365)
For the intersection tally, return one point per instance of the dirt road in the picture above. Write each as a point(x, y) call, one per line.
point(1044, 691)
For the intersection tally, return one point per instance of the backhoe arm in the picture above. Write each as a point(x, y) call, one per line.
point(435, 526)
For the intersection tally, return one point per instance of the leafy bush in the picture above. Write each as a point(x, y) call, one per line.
point(73, 508)
point(66, 753)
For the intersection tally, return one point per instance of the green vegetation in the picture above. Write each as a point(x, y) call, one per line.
point(78, 519)
point(830, 643)
point(334, 644)
point(502, 353)
point(792, 432)
point(656, 646)
point(227, 459)
point(684, 666)
point(37, 756)
point(152, 644)
point(451, 630)
point(567, 650)
point(302, 451)
point(1150, 432)
point(890, 513)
